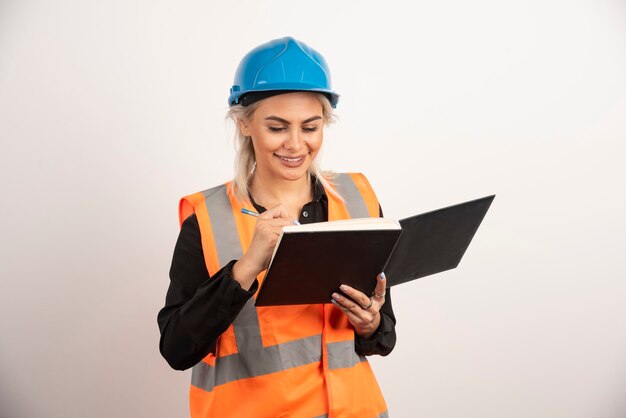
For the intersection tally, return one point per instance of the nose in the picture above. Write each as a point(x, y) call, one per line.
point(294, 140)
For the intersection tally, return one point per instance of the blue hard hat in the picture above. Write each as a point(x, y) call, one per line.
point(282, 65)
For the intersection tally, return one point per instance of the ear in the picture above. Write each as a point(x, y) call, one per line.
point(243, 127)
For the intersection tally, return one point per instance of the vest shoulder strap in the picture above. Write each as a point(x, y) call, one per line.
point(189, 204)
point(357, 194)
point(217, 222)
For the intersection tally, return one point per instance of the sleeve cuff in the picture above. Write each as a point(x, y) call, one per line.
point(367, 346)
point(227, 272)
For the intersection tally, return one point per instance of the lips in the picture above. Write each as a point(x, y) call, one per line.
point(291, 161)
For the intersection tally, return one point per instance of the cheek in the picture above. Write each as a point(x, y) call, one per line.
point(263, 144)
point(315, 143)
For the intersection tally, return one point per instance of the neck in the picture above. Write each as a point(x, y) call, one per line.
point(269, 192)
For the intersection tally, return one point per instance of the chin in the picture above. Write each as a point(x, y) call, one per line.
point(295, 176)
point(293, 173)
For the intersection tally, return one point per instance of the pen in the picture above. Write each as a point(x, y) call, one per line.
point(251, 213)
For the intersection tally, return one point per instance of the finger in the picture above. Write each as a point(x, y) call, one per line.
point(279, 222)
point(359, 297)
point(353, 316)
point(279, 211)
point(356, 315)
point(275, 229)
point(381, 286)
point(360, 311)
point(348, 306)
point(345, 302)
point(274, 226)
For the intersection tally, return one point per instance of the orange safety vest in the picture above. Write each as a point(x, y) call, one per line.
point(280, 361)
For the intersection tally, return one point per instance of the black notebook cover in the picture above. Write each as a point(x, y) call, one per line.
point(309, 266)
point(435, 241)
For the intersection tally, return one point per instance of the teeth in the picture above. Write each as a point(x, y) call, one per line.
point(291, 160)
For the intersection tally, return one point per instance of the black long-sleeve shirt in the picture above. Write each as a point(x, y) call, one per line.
point(199, 308)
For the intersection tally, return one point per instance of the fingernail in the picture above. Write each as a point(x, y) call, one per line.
point(333, 301)
point(382, 276)
point(343, 287)
point(296, 222)
point(335, 296)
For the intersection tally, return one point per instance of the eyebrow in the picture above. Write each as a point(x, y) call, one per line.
point(286, 122)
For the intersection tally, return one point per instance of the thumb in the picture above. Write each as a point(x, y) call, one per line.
point(381, 286)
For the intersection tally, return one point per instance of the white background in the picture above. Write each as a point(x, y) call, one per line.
point(111, 110)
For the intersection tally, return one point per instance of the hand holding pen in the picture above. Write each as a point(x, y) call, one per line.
point(266, 232)
point(256, 214)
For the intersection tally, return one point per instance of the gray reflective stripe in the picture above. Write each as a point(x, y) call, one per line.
point(247, 328)
point(322, 416)
point(257, 363)
point(228, 246)
point(223, 224)
point(354, 200)
point(341, 355)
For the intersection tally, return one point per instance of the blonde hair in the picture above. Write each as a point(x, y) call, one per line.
point(245, 160)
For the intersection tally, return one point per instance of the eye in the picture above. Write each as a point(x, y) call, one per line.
point(276, 128)
point(310, 128)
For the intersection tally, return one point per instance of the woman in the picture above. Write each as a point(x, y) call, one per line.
point(285, 361)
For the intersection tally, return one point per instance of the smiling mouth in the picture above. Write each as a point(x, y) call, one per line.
point(292, 159)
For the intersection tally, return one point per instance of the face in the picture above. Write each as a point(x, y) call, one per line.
point(287, 133)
